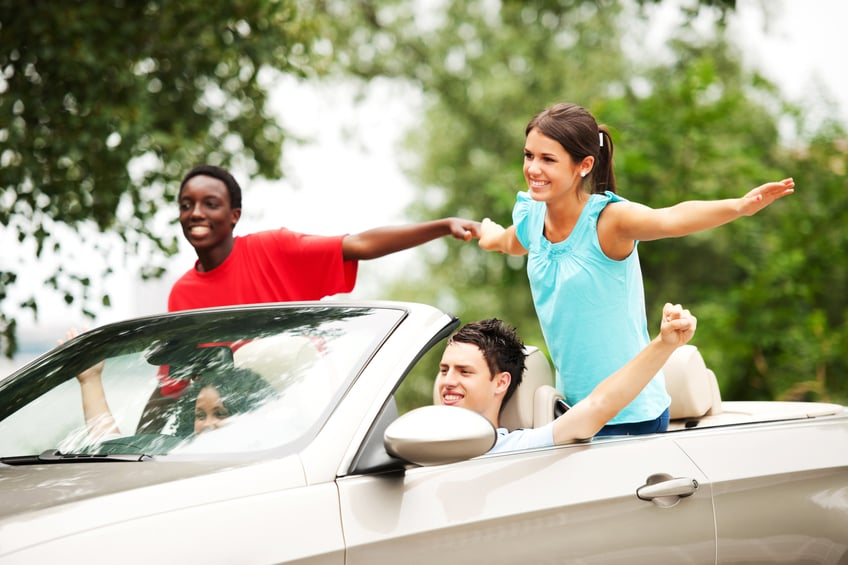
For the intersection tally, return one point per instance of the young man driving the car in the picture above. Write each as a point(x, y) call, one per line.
point(483, 364)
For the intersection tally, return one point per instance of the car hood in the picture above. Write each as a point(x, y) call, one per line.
point(43, 502)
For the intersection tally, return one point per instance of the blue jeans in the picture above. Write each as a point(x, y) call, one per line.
point(636, 428)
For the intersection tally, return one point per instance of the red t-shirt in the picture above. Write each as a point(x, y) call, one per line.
point(269, 266)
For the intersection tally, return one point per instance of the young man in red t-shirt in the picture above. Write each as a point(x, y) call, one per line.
point(276, 265)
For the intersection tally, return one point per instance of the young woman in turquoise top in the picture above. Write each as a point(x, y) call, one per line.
point(583, 265)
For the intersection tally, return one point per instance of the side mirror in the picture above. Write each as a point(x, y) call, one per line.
point(435, 435)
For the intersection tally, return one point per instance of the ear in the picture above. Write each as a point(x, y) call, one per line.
point(236, 216)
point(502, 381)
point(586, 165)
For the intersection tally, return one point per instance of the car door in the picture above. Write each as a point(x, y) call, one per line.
point(780, 489)
point(569, 503)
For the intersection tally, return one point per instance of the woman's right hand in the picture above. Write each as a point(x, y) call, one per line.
point(491, 235)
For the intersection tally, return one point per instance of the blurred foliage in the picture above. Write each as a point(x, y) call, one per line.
point(89, 88)
point(768, 290)
point(92, 91)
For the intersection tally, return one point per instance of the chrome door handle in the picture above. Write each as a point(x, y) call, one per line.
point(665, 490)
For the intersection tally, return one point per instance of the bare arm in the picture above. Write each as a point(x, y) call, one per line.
point(382, 241)
point(494, 237)
point(629, 221)
point(95, 410)
point(616, 391)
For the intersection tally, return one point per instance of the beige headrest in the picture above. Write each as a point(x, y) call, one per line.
point(277, 358)
point(520, 411)
point(692, 386)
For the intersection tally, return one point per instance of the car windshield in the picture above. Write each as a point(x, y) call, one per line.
point(204, 382)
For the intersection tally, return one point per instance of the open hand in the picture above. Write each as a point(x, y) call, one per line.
point(765, 194)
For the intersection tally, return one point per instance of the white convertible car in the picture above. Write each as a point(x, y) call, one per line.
point(272, 434)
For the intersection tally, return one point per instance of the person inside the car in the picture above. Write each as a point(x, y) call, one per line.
point(483, 364)
point(221, 395)
point(276, 265)
point(217, 395)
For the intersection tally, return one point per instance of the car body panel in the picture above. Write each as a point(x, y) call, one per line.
point(100, 497)
point(781, 494)
point(547, 505)
point(758, 482)
point(269, 528)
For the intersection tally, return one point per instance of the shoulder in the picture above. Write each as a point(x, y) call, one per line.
point(525, 207)
point(603, 199)
point(610, 204)
point(280, 237)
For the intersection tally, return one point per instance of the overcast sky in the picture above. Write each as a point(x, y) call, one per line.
point(350, 179)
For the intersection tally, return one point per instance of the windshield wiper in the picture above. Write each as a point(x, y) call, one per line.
point(56, 456)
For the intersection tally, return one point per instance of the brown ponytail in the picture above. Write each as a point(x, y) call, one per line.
point(603, 174)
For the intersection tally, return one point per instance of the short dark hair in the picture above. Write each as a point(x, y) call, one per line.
point(502, 349)
point(222, 175)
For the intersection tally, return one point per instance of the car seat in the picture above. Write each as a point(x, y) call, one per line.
point(692, 386)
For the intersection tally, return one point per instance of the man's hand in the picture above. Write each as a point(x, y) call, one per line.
point(678, 325)
point(464, 230)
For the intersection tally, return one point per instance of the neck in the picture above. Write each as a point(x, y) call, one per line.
point(561, 216)
point(208, 259)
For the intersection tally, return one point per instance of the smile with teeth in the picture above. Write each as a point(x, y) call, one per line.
point(538, 183)
point(199, 230)
point(451, 397)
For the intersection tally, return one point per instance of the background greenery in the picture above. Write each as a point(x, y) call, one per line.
point(89, 90)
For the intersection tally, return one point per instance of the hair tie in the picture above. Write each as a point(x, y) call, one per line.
point(601, 137)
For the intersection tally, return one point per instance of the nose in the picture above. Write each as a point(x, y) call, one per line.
point(448, 378)
point(196, 210)
point(532, 166)
point(210, 423)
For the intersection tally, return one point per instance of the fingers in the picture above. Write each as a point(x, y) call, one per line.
point(765, 194)
point(466, 230)
point(69, 335)
point(671, 311)
point(678, 321)
point(490, 227)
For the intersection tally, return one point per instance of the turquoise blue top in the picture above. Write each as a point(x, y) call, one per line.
point(591, 308)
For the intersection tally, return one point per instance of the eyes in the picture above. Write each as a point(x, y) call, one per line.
point(546, 158)
point(464, 371)
point(218, 414)
point(210, 204)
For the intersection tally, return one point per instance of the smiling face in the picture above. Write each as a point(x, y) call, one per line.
point(549, 169)
point(206, 216)
point(465, 380)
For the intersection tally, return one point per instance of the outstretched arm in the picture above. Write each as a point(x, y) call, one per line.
point(631, 221)
point(98, 417)
point(379, 242)
point(615, 392)
point(494, 237)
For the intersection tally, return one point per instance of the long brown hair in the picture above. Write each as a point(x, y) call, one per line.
point(578, 132)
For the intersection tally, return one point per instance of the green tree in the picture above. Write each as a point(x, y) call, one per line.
point(698, 127)
point(88, 89)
